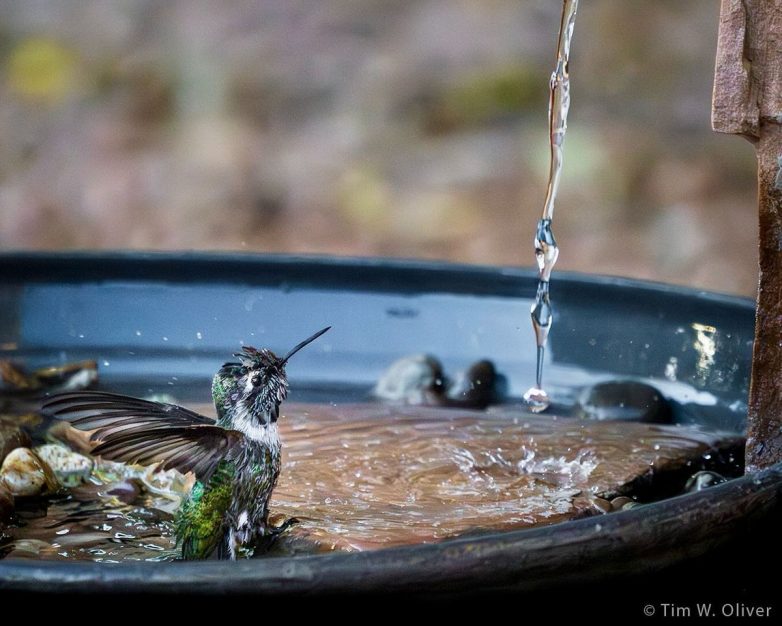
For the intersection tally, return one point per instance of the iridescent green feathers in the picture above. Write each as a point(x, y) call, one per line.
point(200, 521)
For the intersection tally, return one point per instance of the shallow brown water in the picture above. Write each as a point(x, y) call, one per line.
point(367, 477)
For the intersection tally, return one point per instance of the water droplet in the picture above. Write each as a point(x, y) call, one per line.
point(536, 399)
point(106, 363)
point(199, 335)
point(165, 338)
point(546, 249)
point(138, 333)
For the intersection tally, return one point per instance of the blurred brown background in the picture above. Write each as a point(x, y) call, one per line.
point(411, 128)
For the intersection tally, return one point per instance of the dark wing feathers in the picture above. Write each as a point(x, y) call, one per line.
point(95, 407)
point(132, 430)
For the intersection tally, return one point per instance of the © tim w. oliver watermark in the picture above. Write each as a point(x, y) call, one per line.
point(708, 609)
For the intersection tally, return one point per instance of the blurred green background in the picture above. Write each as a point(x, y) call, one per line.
point(412, 128)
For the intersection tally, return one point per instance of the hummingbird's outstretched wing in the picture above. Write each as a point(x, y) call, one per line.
point(141, 431)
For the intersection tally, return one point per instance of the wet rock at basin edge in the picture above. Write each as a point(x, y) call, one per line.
point(420, 380)
point(71, 468)
point(25, 474)
point(476, 387)
point(623, 400)
point(416, 379)
point(11, 437)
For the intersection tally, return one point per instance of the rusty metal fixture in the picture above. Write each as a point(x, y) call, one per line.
point(748, 102)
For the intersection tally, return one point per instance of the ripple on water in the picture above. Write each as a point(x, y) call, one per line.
point(368, 476)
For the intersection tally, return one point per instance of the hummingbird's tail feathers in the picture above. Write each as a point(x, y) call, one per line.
point(140, 431)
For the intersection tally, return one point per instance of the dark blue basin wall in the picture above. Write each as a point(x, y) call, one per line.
point(173, 319)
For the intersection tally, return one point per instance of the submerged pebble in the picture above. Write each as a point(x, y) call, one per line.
point(623, 400)
point(618, 504)
point(601, 505)
point(26, 474)
point(703, 480)
point(70, 467)
point(126, 491)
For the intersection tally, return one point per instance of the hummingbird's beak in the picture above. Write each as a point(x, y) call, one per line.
point(307, 341)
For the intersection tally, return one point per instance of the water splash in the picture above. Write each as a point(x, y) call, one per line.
point(546, 249)
point(573, 471)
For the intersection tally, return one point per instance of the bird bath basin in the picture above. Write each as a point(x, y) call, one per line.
point(163, 323)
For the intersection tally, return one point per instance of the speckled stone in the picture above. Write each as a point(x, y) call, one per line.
point(416, 379)
point(25, 474)
point(70, 467)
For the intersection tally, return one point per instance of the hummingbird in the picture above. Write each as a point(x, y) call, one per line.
point(235, 459)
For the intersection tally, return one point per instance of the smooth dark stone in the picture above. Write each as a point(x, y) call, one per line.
point(618, 504)
point(601, 505)
point(475, 387)
point(623, 400)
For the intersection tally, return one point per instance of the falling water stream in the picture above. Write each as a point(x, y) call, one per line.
point(546, 249)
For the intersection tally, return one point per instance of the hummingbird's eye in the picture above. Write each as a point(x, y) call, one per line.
point(256, 380)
